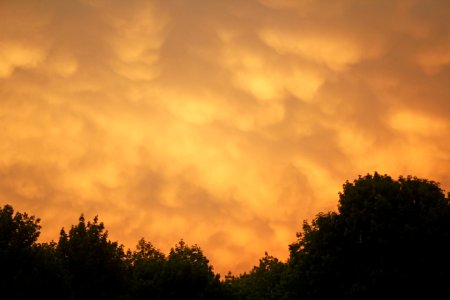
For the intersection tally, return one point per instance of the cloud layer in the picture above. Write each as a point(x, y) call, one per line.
point(225, 123)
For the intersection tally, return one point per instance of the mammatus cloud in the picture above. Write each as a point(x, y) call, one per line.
point(225, 123)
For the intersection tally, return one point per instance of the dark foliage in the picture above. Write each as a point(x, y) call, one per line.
point(18, 235)
point(262, 283)
point(147, 266)
point(184, 273)
point(94, 265)
point(389, 238)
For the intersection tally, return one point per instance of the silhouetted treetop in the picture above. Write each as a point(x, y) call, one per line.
point(96, 265)
point(17, 230)
point(388, 239)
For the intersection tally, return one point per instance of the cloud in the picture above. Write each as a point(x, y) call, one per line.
point(223, 123)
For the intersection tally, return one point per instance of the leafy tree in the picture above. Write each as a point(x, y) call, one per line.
point(184, 273)
point(389, 239)
point(48, 272)
point(262, 283)
point(147, 264)
point(189, 275)
point(18, 235)
point(95, 265)
point(17, 231)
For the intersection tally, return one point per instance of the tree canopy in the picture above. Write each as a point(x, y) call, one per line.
point(388, 238)
point(18, 235)
point(95, 266)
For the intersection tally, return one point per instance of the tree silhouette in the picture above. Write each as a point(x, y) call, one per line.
point(147, 264)
point(189, 274)
point(184, 273)
point(48, 272)
point(95, 265)
point(389, 239)
point(18, 235)
point(262, 283)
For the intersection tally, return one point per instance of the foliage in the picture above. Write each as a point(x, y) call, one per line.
point(95, 265)
point(48, 273)
point(189, 274)
point(17, 231)
point(388, 238)
point(184, 273)
point(18, 235)
point(262, 283)
point(147, 267)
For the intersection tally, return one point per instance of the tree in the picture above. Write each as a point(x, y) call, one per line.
point(95, 265)
point(147, 264)
point(48, 272)
point(389, 238)
point(189, 275)
point(262, 283)
point(17, 231)
point(18, 235)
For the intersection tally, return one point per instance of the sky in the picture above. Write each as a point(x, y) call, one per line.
point(224, 123)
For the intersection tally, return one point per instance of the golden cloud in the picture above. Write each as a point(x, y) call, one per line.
point(222, 123)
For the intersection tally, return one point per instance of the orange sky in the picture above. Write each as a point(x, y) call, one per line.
point(226, 123)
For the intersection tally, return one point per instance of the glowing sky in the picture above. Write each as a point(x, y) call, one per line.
point(225, 123)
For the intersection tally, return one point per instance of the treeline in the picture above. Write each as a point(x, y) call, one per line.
point(389, 238)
